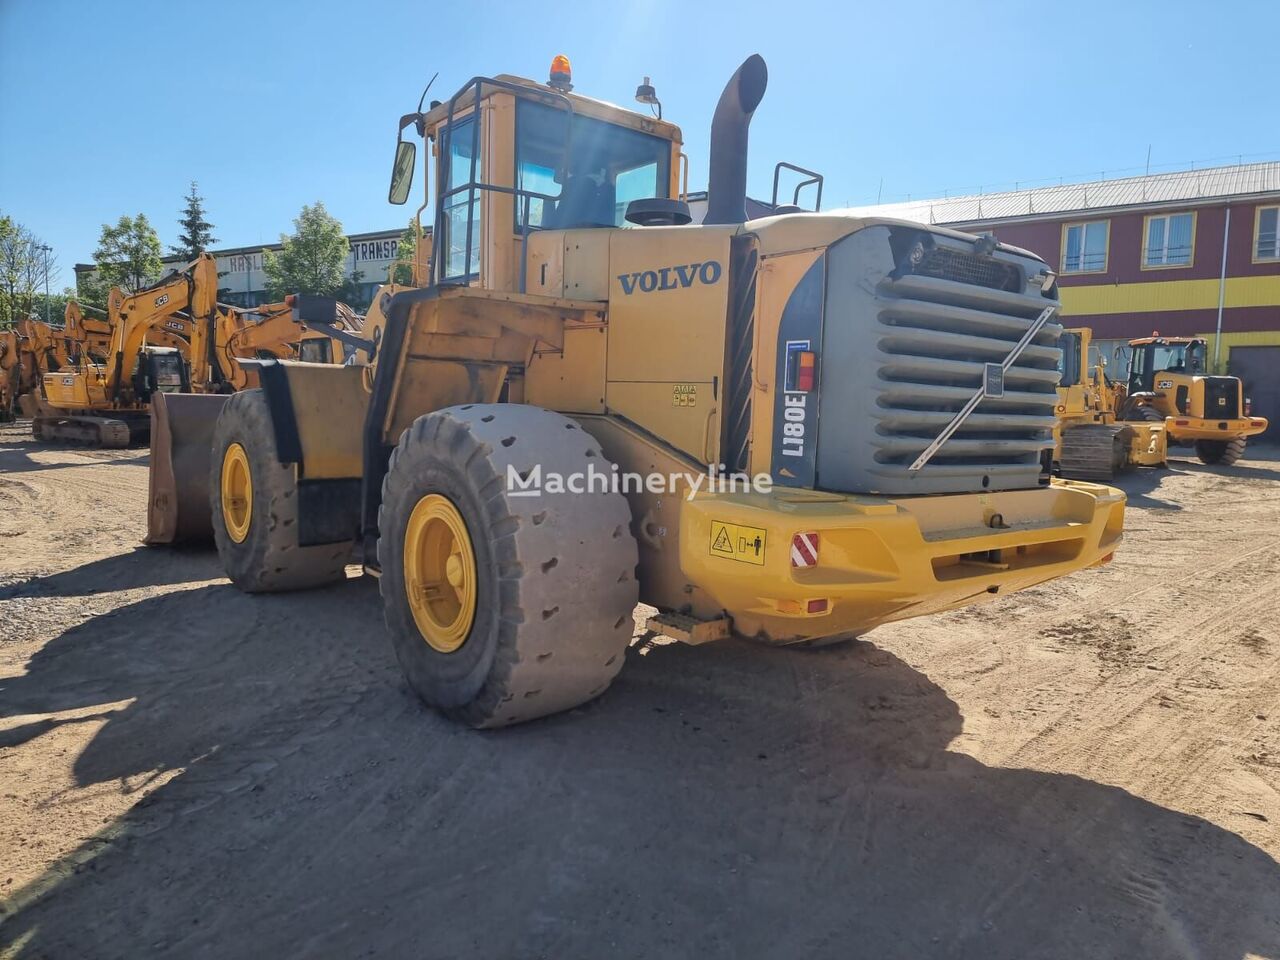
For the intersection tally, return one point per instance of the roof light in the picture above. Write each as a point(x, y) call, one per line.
point(561, 73)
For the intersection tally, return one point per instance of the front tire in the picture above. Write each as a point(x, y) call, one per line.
point(503, 608)
point(1220, 452)
point(253, 498)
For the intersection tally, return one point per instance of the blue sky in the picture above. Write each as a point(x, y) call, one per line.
point(113, 107)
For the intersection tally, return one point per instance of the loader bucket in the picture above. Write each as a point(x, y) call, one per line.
point(178, 482)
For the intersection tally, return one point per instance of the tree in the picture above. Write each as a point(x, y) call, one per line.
point(310, 261)
point(128, 253)
point(26, 266)
point(197, 232)
point(405, 253)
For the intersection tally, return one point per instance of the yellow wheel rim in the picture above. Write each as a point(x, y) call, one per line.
point(237, 493)
point(440, 573)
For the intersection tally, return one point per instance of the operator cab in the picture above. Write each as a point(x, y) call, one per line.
point(160, 370)
point(1152, 355)
point(516, 157)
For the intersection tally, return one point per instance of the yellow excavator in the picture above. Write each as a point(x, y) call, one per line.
point(792, 429)
point(1091, 442)
point(10, 373)
point(1169, 382)
point(106, 403)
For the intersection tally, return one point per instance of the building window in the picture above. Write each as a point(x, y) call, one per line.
point(1168, 240)
point(1266, 234)
point(1084, 247)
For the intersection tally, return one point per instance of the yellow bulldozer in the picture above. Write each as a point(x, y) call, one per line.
point(792, 429)
point(1092, 442)
point(1169, 381)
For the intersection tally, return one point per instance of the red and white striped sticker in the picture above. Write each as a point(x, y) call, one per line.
point(804, 550)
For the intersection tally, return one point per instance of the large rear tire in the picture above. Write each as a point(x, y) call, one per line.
point(503, 608)
point(1220, 452)
point(253, 500)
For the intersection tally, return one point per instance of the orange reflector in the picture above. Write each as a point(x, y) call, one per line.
point(817, 606)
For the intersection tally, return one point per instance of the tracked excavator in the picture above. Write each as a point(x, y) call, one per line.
point(1092, 443)
point(105, 404)
point(10, 373)
point(1169, 382)
point(791, 429)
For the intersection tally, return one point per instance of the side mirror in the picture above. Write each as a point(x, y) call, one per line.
point(402, 172)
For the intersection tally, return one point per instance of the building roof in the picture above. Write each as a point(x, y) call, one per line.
point(1152, 190)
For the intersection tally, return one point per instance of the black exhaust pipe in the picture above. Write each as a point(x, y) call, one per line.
point(727, 178)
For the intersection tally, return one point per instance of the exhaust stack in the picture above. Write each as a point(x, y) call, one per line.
point(727, 179)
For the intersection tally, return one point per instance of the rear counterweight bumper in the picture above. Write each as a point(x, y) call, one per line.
point(884, 559)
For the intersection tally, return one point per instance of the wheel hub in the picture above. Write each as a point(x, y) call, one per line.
point(237, 493)
point(440, 573)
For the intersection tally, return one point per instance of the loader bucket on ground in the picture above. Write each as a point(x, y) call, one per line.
point(178, 483)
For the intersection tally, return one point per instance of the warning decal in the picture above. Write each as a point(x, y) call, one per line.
point(735, 541)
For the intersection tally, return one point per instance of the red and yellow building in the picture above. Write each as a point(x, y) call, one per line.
point(1190, 253)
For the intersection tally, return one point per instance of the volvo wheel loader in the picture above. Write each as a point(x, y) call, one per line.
point(1168, 381)
point(312, 330)
point(791, 429)
point(1092, 444)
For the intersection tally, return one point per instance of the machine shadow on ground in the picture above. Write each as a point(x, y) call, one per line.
point(730, 800)
point(15, 457)
point(122, 571)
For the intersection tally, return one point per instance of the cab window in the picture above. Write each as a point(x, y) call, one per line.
point(462, 207)
point(1069, 365)
point(608, 167)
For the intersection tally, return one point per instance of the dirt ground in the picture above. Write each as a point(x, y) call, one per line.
point(1089, 769)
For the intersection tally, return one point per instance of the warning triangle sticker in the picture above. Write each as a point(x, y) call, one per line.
point(722, 543)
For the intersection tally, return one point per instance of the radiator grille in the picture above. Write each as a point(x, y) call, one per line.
point(934, 337)
point(947, 264)
point(1221, 398)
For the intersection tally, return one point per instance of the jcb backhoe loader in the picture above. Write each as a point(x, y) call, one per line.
point(794, 429)
point(106, 404)
point(1091, 443)
point(1168, 382)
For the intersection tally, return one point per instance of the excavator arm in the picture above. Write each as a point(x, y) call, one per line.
point(192, 290)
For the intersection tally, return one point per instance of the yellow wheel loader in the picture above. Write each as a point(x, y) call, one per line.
point(1092, 444)
point(792, 429)
point(312, 330)
point(1168, 382)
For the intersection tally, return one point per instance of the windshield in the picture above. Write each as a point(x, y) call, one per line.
point(609, 166)
point(1178, 357)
